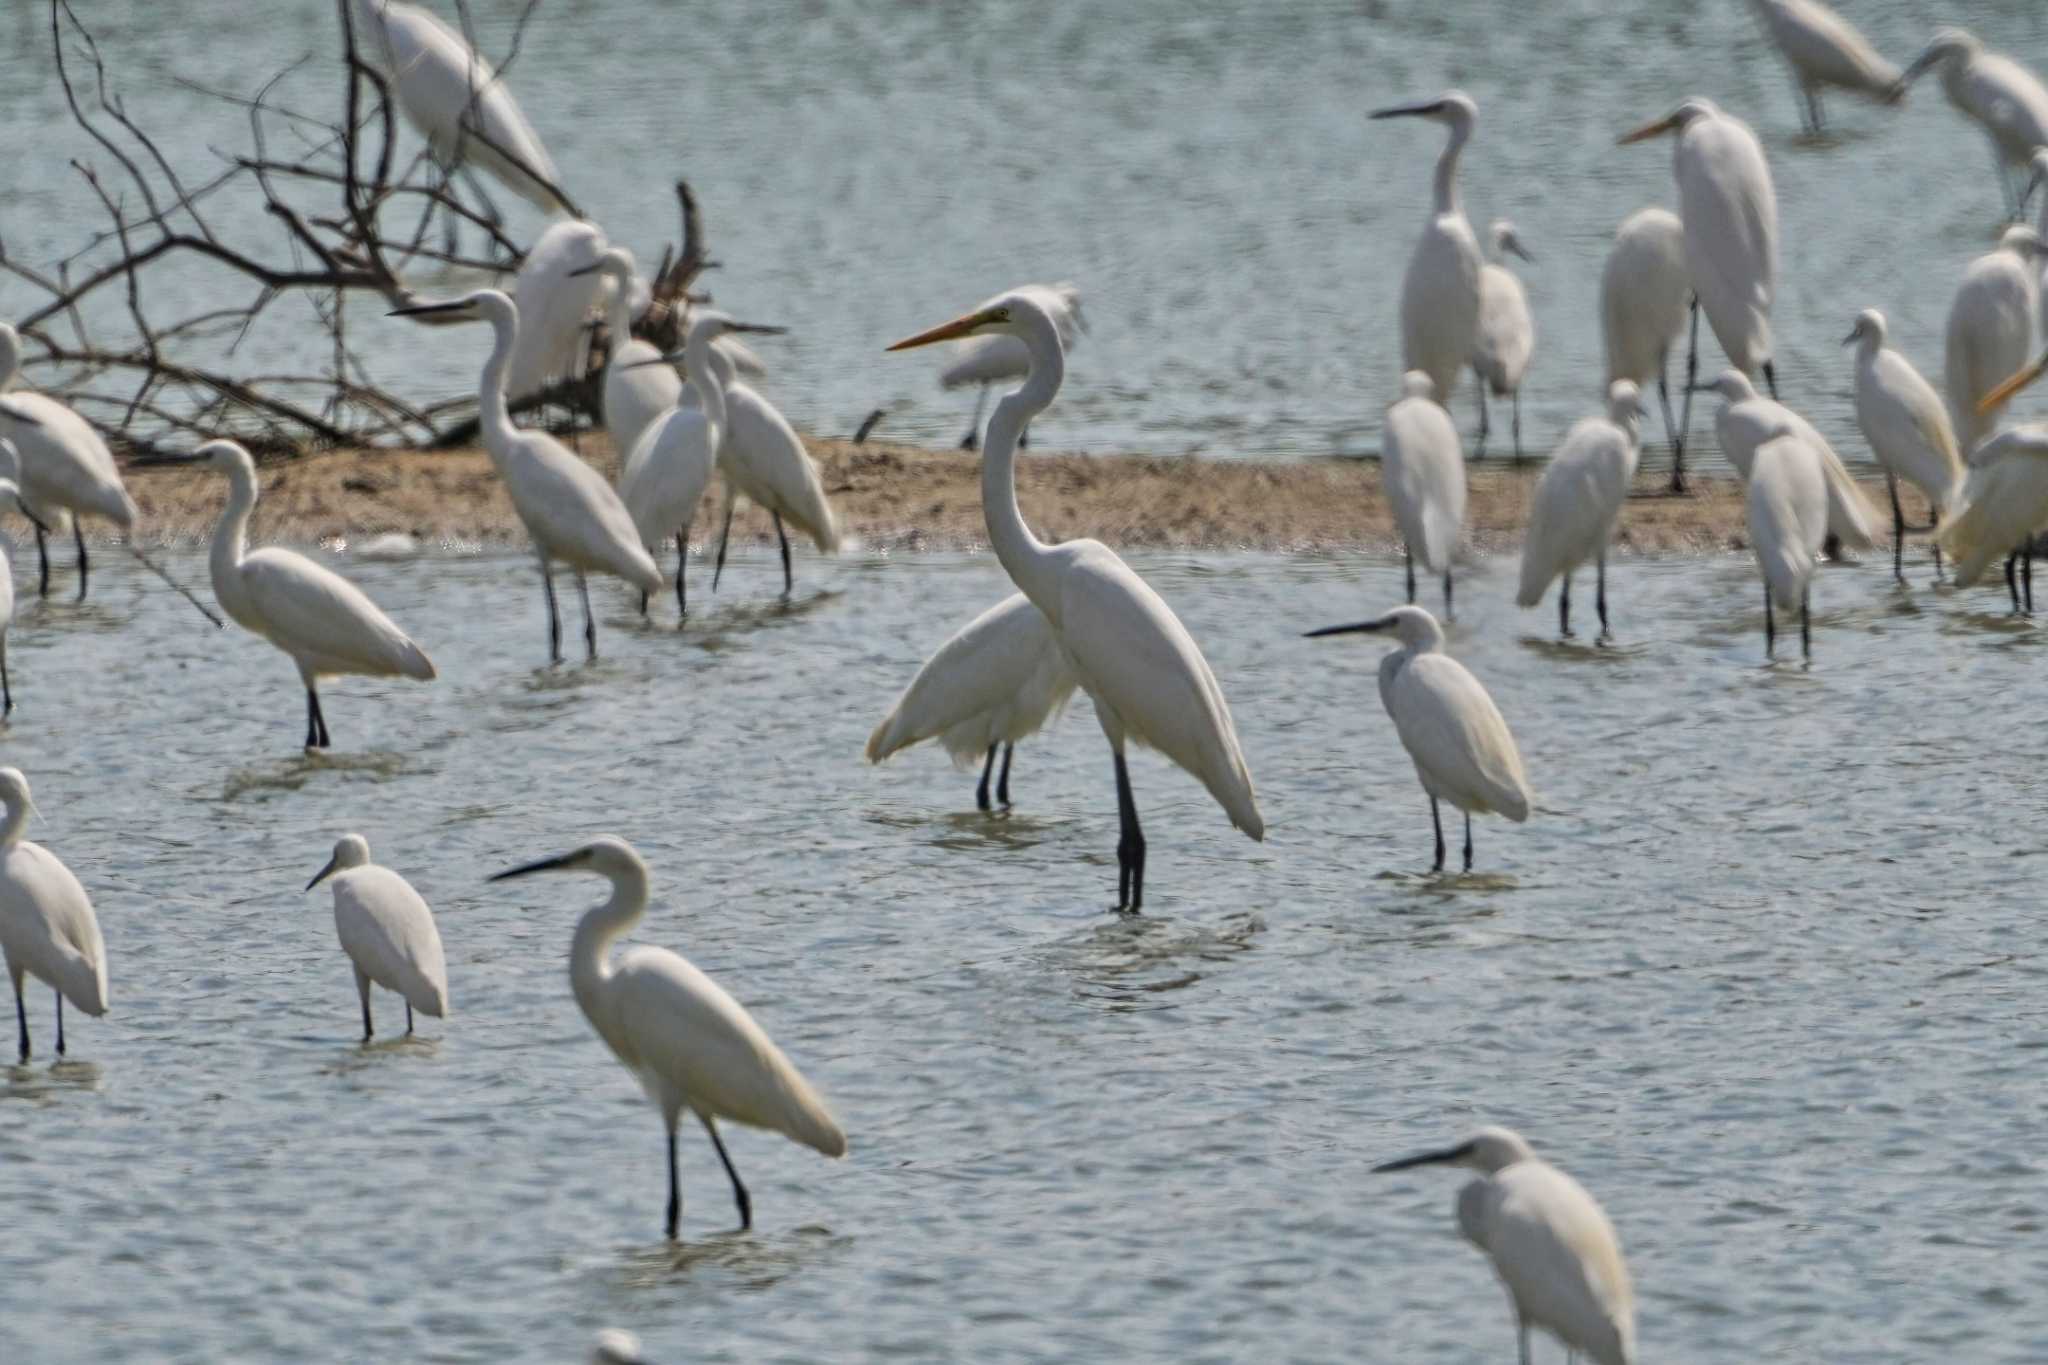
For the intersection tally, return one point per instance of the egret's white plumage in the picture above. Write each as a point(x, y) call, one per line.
point(995, 359)
point(763, 459)
point(1578, 500)
point(1139, 665)
point(1991, 328)
point(1644, 289)
point(558, 289)
point(1824, 50)
point(616, 1346)
point(1787, 511)
point(686, 1041)
point(1505, 337)
point(47, 927)
point(1422, 468)
point(1550, 1242)
point(1440, 290)
point(323, 621)
point(66, 468)
point(2002, 97)
point(387, 931)
point(1907, 426)
point(636, 391)
point(999, 679)
point(1462, 749)
point(1747, 419)
point(2004, 501)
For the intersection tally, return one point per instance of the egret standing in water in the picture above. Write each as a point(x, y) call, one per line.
point(1823, 50)
point(1423, 471)
point(2004, 501)
point(65, 465)
point(1550, 1243)
point(571, 513)
point(982, 361)
point(47, 927)
point(1506, 334)
point(1996, 93)
point(10, 491)
point(1139, 665)
point(1644, 289)
point(636, 391)
point(1787, 509)
point(1577, 502)
point(1450, 727)
point(686, 1041)
point(1991, 328)
point(1908, 429)
point(1440, 291)
point(387, 931)
point(1747, 419)
point(763, 458)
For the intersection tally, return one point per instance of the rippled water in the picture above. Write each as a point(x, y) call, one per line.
point(1205, 171)
point(1761, 970)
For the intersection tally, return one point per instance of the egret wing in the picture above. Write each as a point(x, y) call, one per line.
point(1558, 1255)
point(314, 612)
point(977, 672)
point(1457, 736)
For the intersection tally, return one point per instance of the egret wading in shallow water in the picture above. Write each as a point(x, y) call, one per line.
point(1747, 419)
point(387, 931)
point(986, 360)
point(10, 492)
point(1139, 665)
point(570, 512)
point(1991, 328)
point(47, 927)
point(1644, 289)
point(1907, 426)
point(2003, 503)
point(1462, 749)
point(1577, 502)
point(763, 458)
point(323, 621)
point(1787, 510)
point(1550, 1243)
point(686, 1041)
point(1000, 678)
point(1823, 50)
point(66, 469)
point(1422, 468)
point(1440, 291)
point(1995, 92)
point(1506, 336)
point(636, 391)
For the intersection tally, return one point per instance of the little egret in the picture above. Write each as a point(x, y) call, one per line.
point(1144, 672)
point(557, 291)
point(2004, 501)
point(2002, 97)
point(47, 927)
point(10, 491)
point(1787, 509)
point(1747, 419)
point(1823, 50)
point(635, 391)
point(65, 466)
point(1506, 337)
point(1440, 291)
point(571, 513)
point(1908, 429)
point(982, 361)
point(764, 459)
point(387, 931)
point(1549, 1241)
point(1644, 289)
point(1730, 213)
point(684, 1039)
point(1991, 325)
point(1000, 678)
point(1450, 727)
point(1577, 502)
point(323, 621)
point(1423, 472)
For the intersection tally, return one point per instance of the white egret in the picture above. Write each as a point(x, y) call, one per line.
point(1423, 471)
point(1462, 749)
point(1440, 291)
point(684, 1039)
point(558, 289)
point(1823, 50)
point(10, 491)
point(999, 679)
point(987, 360)
point(47, 927)
point(1787, 510)
point(764, 459)
point(1644, 289)
point(1577, 502)
point(2003, 503)
point(636, 391)
point(1505, 335)
point(1908, 429)
point(1991, 325)
point(617, 1346)
point(1144, 672)
point(387, 931)
point(323, 621)
point(1550, 1243)
point(571, 513)
point(2002, 97)
point(66, 467)
point(1730, 213)
point(1747, 419)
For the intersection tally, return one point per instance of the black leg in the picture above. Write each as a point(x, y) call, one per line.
point(1600, 592)
point(1813, 103)
point(1130, 847)
point(1891, 482)
point(1479, 388)
point(320, 720)
point(2027, 572)
point(21, 1018)
point(6, 692)
point(981, 791)
point(589, 621)
point(1564, 607)
point(60, 1022)
point(1771, 378)
point(547, 583)
point(1770, 624)
point(1692, 374)
point(972, 440)
point(43, 559)
point(1671, 432)
point(408, 1018)
point(1024, 437)
point(1936, 519)
point(675, 1189)
point(682, 561)
point(1408, 558)
point(1805, 625)
point(312, 720)
point(788, 581)
point(1447, 595)
point(1003, 782)
point(1468, 841)
point(2012, 579)
point(739, 1189)
point(369, 1030)
point(724, 534)
point(1518, 425)
point(78, 534)
point(1436, 819)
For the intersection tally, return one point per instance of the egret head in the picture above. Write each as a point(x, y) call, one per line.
point(1869, 327)
point(1018, 313)
point(1489, 1150)
point(1947, 45)
point(14, 798)
point(615, 265)
point(1677, 121)
point(707, 325)
point(1506, 239)
point(227, 457)
point(1418, 384)
point(1624, 402)
point(1733, 385)
point(351, 850)
point(1453, 108)
point(609, 856)
point(1413, 626)
point(485, 305)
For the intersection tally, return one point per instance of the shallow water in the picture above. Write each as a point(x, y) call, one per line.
point(1760, 971)
point(1206, 172)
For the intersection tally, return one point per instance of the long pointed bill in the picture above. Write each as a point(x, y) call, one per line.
point(1357, 627)
point(9, 491)
point(1850, 340)
point(554, 864)
point(1648, 130)
point(322, 875)
point(1919, 67)
point(421, 310)
point(1520, 250)
point(2011, 385)
point(1445, 1157)
point(21, 415)
point(590, 269)
point(945, 331)
point(1422, 110)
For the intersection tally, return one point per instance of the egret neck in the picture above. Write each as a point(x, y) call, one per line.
point(1447, 169)
point(708, 380)
point(494, 417)
point(1023, 556)
point(231, 535)
point(590, 951)
point(13, 821)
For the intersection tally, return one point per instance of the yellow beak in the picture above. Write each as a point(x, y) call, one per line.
point(2011, 385)
point(945, 331)
point(1648, 130)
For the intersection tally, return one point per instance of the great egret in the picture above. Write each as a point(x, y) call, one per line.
point(65, 466)
point(1991, 326)
point(1908, 429)
point(1506, 336)
point(1142, 669)
point(571, 513)
point(1747, 419)
point(47, 927)
point(1730, 213)
point(10, 491)
point(1787, 510)
point(636, 391)
point(1423, 472)
point(1577, 502)
point(323, 621)
point(1644, 289)
point(1822, 49)
point(387, 931)
point(1549, 1241)
point(684, 1039)
point(986, 360)
point(1000, 678)
point(558, 289)
point(1440, 292)
point(2002, 97)
point(763, 458)
point(1450, 727)
point(2003, 503)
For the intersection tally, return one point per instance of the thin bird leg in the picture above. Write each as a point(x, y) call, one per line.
point(682, 559)
point(675, 1188)
point(319, 718)
point(1130, 847)
point(43, 558)
point(1436, 819)
point(312, 720)
point(1522, 1340)
point(1564, 608)
point(2027, 572)
point(981, 791)
point(1692, 375)
point(21, 1017)
point(1770, 624)
point(1934, 516)
point(1479, 388)
point(1518, 426)
point(788, 582)
point(2012, 581)
point(1448, 613)
point(739, 1190)
point(78, 534)
point(1003, 782)
point(1468, 841)
point(1805, 625)
point(60, 1023)
point(1671, 432)
point(363, 990)
point(1024, 437)
point(408, 1018)
point(547, 583)
point(1820, 124)
point(1771, 378)
point(589, 621)
point(6, 692)
point(1408, 558)
point(972, 440)
point(1600, 592)
point(724, 534)
point(1891, 482)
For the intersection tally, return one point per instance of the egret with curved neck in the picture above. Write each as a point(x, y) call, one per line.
point(65, 465)
point(636, 391)
point(10, 491)
point(47, 927)
point(1440, 292)
point(1143, 670)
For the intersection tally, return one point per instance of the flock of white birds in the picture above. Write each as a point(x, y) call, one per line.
point(1081, 617)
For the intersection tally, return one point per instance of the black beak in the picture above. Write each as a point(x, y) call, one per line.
point(27, 419)
point(1446, 1156)
point(423, 309)
point(1381, 623)
point(322, 875)
point(590, 269)
point(1410, 110)
point(676, 357)
point(554, 864)
point(1850, 339)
